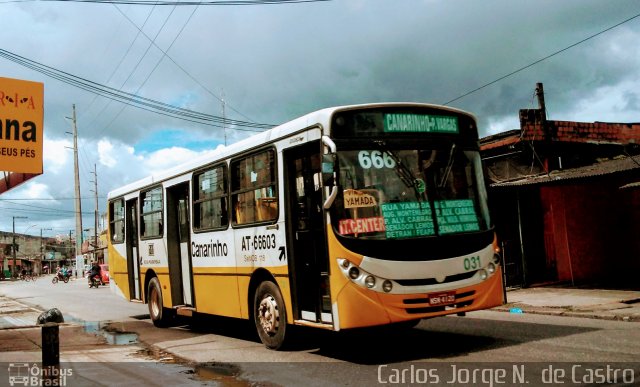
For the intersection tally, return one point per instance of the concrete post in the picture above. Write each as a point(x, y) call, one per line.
point(51, 353)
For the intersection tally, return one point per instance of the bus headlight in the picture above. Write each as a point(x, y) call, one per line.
point(363, 278)
point(491, 268)
point(370, 281)
point(483, 274)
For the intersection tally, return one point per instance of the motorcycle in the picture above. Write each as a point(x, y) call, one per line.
point(61, 277)
point(94, 281)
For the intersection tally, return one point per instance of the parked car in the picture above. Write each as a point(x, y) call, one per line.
point(104, 271)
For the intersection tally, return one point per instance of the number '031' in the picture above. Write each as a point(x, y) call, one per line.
point(472, 263)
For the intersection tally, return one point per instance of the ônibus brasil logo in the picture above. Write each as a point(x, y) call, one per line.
point(24, 374)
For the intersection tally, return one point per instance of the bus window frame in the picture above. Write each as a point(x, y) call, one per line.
point(142, 214)
point(233, 194)
point(226, 183)
point(113, 220)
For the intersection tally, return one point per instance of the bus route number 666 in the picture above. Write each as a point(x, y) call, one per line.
point(472, 263)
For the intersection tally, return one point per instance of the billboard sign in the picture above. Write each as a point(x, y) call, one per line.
point(21, 125)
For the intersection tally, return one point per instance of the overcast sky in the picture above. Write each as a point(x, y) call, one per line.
point(272, 63)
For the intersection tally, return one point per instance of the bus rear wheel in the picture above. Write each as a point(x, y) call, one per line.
point(159, 315)
point(269, 315)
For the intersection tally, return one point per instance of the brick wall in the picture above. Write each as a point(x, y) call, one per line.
point(531, 124)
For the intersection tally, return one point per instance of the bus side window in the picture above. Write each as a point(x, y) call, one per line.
point(253, 188)
point(151, 214)
point(116, 220)
point(210, 199)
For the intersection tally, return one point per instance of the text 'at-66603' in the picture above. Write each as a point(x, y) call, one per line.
point(259, 242)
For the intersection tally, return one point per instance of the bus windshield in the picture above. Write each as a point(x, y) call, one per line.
point(408, 193)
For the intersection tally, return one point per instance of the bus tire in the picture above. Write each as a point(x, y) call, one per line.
point(159, 315)
point(270, 315)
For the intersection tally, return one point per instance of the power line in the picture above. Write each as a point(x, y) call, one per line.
point(190, 3)
point(153, 2)
point(165, 54)
point(543, 59)
point(48, 199)
point(117, 67)
point(131, 99)
point(152, 43)
point(43, 211)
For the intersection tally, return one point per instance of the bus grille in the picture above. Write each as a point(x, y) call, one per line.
point(432, 281)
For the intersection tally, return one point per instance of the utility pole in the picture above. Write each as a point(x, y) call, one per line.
point(540, 95)
point(77, 186)
point(543, 108)
point(551, 162)
point(96, 214)
point(224, 119)
point(13, 246)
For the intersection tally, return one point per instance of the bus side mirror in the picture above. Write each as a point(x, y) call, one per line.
point(328, 169)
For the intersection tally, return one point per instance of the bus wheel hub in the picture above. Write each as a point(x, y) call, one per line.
point(268, 314)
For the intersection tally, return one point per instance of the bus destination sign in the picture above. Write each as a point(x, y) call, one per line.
point(412, 219)
point(419, 123)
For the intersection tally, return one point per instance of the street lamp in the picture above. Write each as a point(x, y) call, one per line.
point(13, 267)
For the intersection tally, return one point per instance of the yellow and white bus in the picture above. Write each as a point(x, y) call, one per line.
point(348, 217)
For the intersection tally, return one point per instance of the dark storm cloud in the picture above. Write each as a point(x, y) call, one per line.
point(274, 63)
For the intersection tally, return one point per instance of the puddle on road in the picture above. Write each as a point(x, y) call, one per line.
point(224, 374)
point(159, 355)
point(219, 373)
point(100, 328)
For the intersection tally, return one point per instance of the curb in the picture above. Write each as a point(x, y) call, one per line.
point(560, 311)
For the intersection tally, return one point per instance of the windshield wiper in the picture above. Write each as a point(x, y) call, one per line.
point(405, 174)
point(447, 170)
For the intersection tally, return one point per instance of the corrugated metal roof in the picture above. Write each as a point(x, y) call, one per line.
point(600, 169)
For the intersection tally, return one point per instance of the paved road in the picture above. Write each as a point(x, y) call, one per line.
point(564, 348)
point(88, 354)
point(74, 299)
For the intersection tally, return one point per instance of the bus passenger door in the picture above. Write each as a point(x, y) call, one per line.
point(308, 264)
point(178, 239)
point(133, 258)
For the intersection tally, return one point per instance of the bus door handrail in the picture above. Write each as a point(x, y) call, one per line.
point(334, 190)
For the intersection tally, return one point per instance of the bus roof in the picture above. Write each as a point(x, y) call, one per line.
point(319, 117)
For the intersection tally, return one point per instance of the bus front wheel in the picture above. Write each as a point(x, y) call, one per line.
point(159, 315)
point(269, 315)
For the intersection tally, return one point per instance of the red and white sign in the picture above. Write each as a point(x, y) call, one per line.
point(361, 225)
